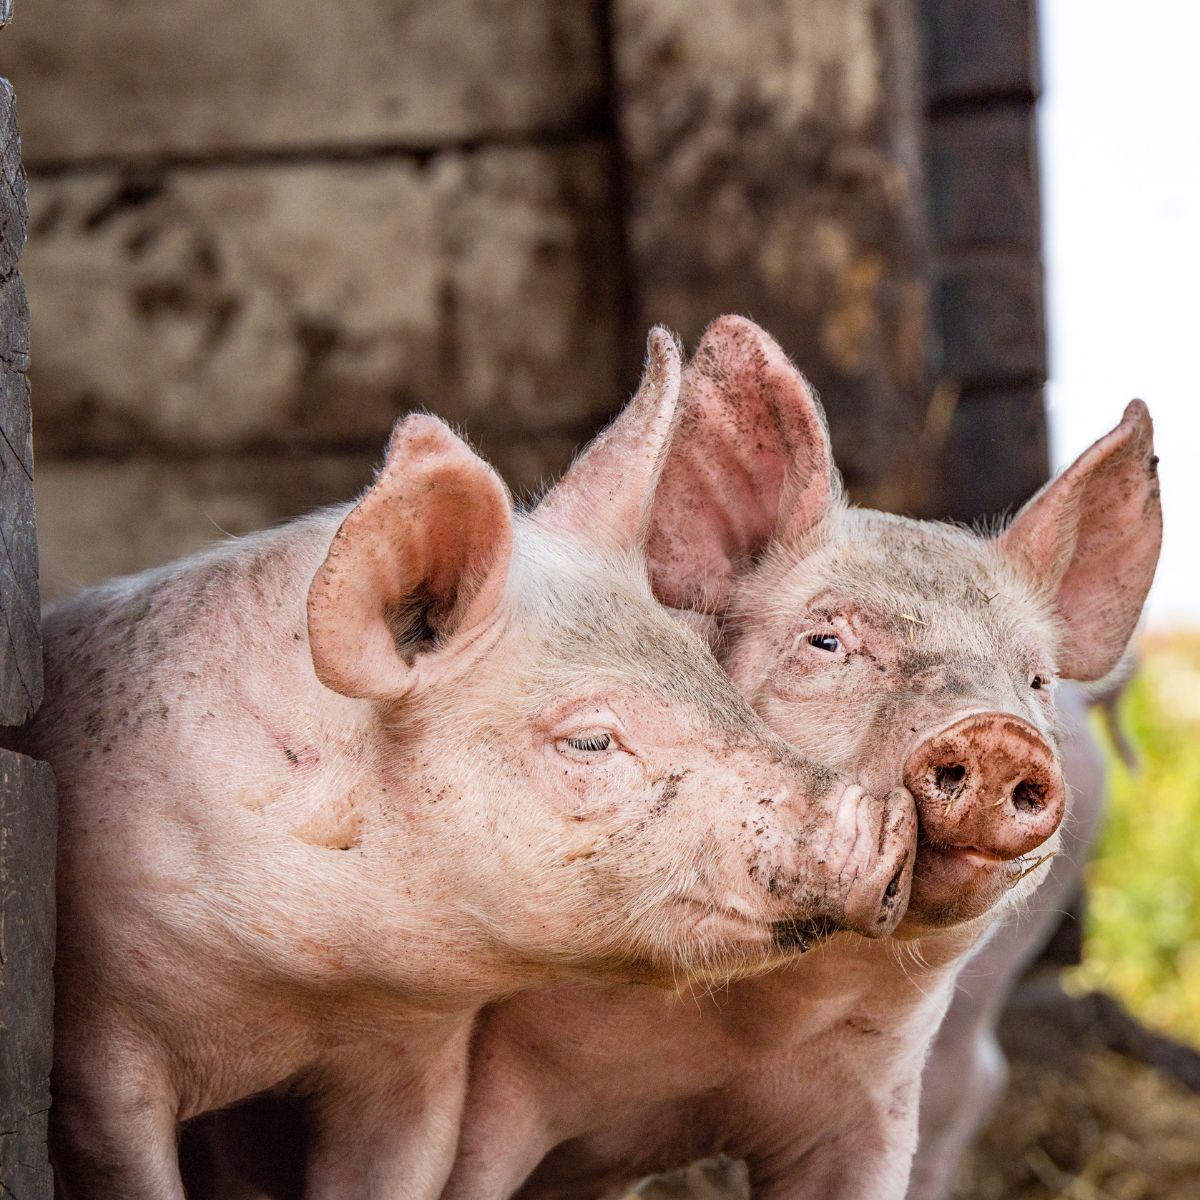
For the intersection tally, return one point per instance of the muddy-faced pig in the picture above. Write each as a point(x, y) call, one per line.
point(900, 650)
point(327, 789)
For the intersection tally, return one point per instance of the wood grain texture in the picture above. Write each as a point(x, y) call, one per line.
point(983, 180)
point(147, 78)
point(28, 815)
point(104, 518)
point(20, 646)
point(989, 317)
point(27, 836)
point(308, 306)
point(994, 455)
point(771, 172)
point(979, 50)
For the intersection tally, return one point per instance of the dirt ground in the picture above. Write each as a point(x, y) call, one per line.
point(1104, 1128)
point(1113, 1130)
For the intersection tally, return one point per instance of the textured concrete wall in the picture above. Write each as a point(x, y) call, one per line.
point(261, 232)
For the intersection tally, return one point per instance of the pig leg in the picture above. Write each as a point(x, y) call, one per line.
point(504, 1137)
point(860, 1165)
point(113, 1126)
point(865, 1156)
point(384, 1131)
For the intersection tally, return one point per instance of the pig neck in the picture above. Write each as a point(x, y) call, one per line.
point(890, 983)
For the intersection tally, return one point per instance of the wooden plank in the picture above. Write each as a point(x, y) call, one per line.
point(308, 305)
point(28, 816)
point(984, 180)
point(977, 50)
point(992, 457)
point(20, 648)
point(27, 835)
point(771, 170)
point(990, 323)
point(140, 77)
point(103, 518)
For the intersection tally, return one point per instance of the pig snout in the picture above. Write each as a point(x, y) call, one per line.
point(877, 874)
point(987, 783)
point(864, 872)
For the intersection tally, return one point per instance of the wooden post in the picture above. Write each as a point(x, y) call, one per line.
point(770, 170)
point(989, 361)
point(27, 811)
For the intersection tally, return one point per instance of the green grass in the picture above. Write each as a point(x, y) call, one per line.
point(1142, 937)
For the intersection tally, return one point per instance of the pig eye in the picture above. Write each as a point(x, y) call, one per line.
point(588, 743)
point(828, 642)
point(1038, 682)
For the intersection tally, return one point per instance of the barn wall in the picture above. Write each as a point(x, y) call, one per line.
point(261, 232)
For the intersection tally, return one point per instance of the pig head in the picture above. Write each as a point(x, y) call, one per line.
point(903, 649)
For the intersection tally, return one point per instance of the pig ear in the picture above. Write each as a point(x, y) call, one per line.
point(422, 558)
point(750, 464)
point(1093, 536)
point(608, 491)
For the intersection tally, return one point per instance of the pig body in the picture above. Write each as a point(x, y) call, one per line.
point(899, 648)
point(209, 890)
point(326, 791)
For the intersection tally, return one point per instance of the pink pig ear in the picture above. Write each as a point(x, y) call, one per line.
point(608, 491)
point(423, 557)
point(1093, 536)
point(750, 464)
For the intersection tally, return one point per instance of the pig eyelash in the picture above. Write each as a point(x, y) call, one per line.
point(820, 641)
point(590, 743)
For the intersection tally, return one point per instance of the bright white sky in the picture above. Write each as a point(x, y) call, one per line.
point(1120, 130)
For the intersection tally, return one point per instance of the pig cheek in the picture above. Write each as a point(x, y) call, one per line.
point(595, 793)
point(817, 708)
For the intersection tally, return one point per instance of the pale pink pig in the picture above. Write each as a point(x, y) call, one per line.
point(896, 649)
point(326, 790)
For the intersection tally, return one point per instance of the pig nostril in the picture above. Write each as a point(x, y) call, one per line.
point(1027, 797)
point(894, 884)
point(948, 780)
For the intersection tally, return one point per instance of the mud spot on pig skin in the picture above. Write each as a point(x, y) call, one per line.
point(666, 796)
point(335, 828)
point(801, 936)
point(859, 1026)
point(902, 1100)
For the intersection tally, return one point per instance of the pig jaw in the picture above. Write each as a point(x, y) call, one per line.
point(879, 634)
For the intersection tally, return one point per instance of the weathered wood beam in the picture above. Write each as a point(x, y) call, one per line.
point(210, 78)
point(771, 170)
point(20, 658)
point(27, 807)
point(989, 449)
point(306, 306)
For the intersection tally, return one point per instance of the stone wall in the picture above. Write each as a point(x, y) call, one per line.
point(261, 232)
